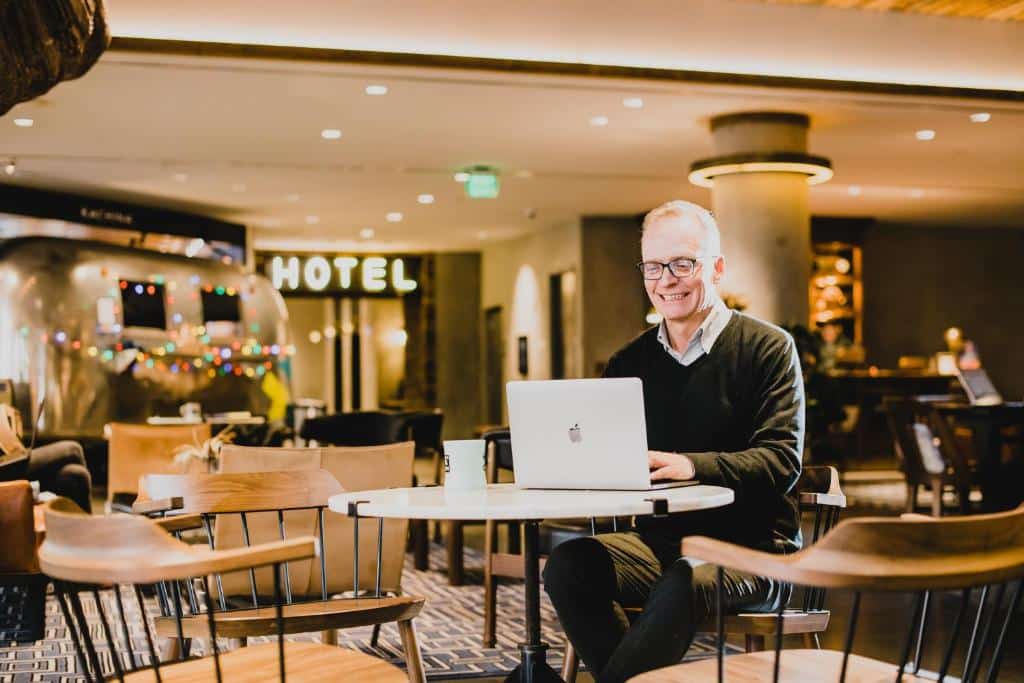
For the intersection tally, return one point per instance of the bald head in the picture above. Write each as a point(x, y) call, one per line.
point(688, 211)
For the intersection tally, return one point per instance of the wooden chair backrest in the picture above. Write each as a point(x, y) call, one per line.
point(206, 493)
point(364, 469)
point(130, 549)
point(260, 495)
point(357, 469)
point(891, 554)
point(17, 528)
point(135, 450)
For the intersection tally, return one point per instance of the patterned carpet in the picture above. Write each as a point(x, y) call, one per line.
point(449, 630)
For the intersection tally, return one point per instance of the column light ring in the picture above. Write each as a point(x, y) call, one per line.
point(817, 169)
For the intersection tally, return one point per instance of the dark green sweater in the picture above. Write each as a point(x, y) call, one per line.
point(738, 413)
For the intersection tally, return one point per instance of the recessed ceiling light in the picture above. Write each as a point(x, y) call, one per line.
point(916, 194)
point(524, 174)
point(425, 199)
point(599, 121)
point(980, 117)
point(312, 220)
point(293, 197)
point(24, 122)
point(854, 190)
point(330, 133)
point(633, 103)
point(461, 177)
point(925, 134)
point(393, 216)
point(181, 177)
point(272, 222)
point(239, 187)
point(367, 233)
point(376, 90)
point(482, 235)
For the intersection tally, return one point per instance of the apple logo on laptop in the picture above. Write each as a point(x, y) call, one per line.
point(575, 435)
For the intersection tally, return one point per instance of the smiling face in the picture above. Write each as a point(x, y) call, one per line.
point(681, 235)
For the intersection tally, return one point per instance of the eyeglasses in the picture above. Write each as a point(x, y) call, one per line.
point(680, 267)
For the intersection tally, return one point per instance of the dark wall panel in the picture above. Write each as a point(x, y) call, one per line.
point(918, 281)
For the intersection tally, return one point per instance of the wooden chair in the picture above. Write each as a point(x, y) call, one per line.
point(916, 554)
point(938, 465)
point(97, 557)
point(234, 508)
point(356, 469)
point(138, 449)
point(818, 493)
point(22, 585)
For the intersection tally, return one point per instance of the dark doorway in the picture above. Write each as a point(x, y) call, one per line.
point(494, 346)
point(557, 331)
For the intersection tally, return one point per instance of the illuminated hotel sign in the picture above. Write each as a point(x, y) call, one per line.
point(340, 273)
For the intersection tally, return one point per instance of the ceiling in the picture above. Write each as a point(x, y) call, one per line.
point(998, 10)
point(240, 138)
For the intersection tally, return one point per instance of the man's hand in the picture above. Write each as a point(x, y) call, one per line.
point(675, 466)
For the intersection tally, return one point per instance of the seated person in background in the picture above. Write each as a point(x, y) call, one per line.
point(59, 467)
point(834, 346)
point(724, 403)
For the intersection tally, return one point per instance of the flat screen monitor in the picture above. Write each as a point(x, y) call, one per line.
point(979, 388)
point(143, 304)
point(221, 307)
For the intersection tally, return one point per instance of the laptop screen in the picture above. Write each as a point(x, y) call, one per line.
point(979, 387)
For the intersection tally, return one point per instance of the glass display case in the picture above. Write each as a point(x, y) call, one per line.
point(835, 290)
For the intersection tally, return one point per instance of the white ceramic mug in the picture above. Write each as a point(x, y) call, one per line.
point(465, 464)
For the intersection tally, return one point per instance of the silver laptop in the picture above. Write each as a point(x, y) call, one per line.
point(979, 388)
point(580, 434)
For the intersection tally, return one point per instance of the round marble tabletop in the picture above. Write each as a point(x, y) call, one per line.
point(504, 501)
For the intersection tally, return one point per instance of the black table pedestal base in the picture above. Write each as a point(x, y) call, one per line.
point(534, 667)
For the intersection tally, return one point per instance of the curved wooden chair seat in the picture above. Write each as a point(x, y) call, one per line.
point(910, 554)
point(86, 555)
point(303, 617)
point(890, 554)
point(134, 550)
point(797, 666)
point(304, 663)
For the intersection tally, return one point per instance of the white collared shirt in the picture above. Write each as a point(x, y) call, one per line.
point(703, 339)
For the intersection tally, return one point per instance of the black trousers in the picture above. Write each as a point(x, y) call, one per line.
point(60, 467)
point(590, 581)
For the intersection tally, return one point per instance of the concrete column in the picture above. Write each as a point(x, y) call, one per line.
point(759, 188)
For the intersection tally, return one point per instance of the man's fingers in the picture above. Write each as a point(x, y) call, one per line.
point(663, 473)
point(658, 459)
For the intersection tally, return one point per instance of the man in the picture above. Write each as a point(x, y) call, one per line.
point(724, 404)
point(59, 467)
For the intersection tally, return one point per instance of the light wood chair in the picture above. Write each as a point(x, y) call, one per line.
point(917, 554)
point(23, 585)
point(234, 508)
point(138, 449)
point(95, 557)
point(357, 468)
point(818, 493)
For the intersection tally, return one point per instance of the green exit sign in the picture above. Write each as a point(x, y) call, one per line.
point(482, 186)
